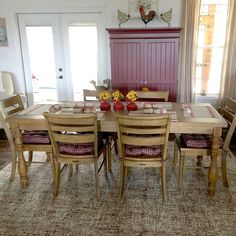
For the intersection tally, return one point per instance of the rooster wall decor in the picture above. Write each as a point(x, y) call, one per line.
point(122, 17)
point(166, 17)
point(146, 17)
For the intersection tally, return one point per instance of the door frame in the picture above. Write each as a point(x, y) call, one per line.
point(65, 84)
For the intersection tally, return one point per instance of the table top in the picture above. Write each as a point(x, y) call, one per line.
point(185, 118)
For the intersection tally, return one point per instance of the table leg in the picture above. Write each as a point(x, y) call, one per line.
point(22, 167)
point(213, 171)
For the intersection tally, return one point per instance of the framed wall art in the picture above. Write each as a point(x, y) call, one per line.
point(147, 4)
point(3, 33)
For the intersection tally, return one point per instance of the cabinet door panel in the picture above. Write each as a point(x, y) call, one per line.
point(161, 64)
point(126, 63)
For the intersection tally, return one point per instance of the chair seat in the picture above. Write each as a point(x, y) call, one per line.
point(198, 140)
point(76, 149)
point(79, 148)
point(36, 137)
point(133, 150)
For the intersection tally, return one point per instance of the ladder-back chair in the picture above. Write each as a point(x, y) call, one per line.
point(142, 142)
point(192, 145)
point(75, 140)
point(32, 140)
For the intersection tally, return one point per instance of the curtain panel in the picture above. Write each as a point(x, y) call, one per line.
point(228, 80)
point(188, 46)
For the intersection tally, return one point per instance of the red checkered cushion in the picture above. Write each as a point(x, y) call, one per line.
point(36, 137)
point(133, 150)
point(76, 149)
point(197, 140)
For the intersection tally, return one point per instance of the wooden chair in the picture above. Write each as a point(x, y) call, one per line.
point(200, 145)
point(142, 142)
point(75, 140)
point(154, 95)
point(32, 140)
point(91, 95)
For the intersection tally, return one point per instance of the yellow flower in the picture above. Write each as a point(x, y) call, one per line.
point(132, 95)
point(117, 95)
point(104, 96)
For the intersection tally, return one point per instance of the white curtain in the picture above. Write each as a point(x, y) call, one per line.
point(188, 46)
point(228, 81)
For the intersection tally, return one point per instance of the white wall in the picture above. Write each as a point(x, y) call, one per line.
point(10, 57)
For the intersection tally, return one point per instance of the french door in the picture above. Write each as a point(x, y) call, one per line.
point(60, 54)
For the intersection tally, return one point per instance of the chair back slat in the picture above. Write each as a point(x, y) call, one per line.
point(91, 95)
point(74, 138)
point(143, 141)
point(163, 95)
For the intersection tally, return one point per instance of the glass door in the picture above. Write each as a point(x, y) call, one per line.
point(60, 55)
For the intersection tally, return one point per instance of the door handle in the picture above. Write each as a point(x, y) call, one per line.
point(60, 77)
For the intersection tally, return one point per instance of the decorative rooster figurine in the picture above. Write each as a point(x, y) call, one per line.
point(122, 17)
point(166, 17)
point(146, 18)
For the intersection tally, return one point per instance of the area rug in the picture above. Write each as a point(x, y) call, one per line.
point(76, 211)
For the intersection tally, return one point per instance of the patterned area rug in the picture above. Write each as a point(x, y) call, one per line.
point(75, 211)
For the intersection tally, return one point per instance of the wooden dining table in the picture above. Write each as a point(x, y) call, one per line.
point(199, 118)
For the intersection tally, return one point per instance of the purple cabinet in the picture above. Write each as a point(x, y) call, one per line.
point(145, 57)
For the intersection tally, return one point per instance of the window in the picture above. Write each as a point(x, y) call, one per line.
point(210, 48)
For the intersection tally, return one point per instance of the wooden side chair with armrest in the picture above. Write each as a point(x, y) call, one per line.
point(32, 140)
point(192, 145)
point(142, 142)
point(154, 95)
point(75, 140)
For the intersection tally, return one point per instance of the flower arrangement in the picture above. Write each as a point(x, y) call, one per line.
point(117, 95)
point(104, 96)
point(132, 96)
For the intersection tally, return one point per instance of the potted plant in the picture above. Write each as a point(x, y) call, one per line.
point(132, 97)
point(117, 96)
point(104, 97)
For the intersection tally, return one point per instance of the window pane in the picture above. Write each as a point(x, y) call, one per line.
point(211, 40)
point(42, 63)
point(83, 57)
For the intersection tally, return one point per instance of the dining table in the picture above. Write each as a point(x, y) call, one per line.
point(200, 118)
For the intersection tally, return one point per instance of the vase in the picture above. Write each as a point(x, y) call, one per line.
point(131, 106)
point(118, 106)
point(105, 106)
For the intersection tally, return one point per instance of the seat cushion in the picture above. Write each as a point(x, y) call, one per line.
point(133, 150)
point(36, 137)
point(76, 149)
point(197, 140)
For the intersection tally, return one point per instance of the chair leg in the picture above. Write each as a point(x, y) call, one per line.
point(163, 178)
point(109, 153)
point(70, 170)
point(13, 160)
point(224, 169)
point(105, 161)
point(96, 178)
point(181, 170)
point(122, 178)
point(53, 167)
point(30, 159)
point(199, 160)
point(176, 151)
point(58, 175)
